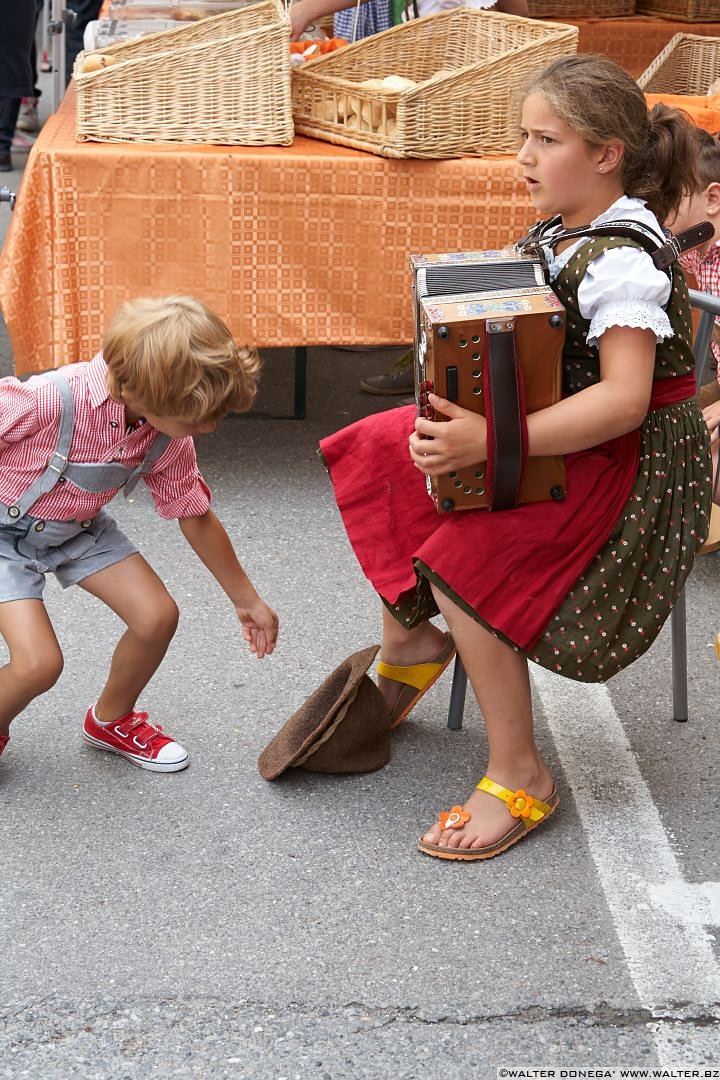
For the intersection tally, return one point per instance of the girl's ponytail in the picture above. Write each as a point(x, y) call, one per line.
point(665, 170)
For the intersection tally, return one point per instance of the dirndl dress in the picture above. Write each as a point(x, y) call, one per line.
point(581, 586)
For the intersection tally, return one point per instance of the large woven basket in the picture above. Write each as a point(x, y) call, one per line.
point(576, 9)
point(682, 10)
point(689, 64)
point(469, 68)
point(224, 79)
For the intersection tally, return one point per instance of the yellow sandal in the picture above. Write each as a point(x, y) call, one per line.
point(416, 678)
point(529, 811)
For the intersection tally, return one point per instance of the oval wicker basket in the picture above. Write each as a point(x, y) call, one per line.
point(682, 10)
point(469, 68)
point(576, 9)
point(224, 79)
point(689, 64)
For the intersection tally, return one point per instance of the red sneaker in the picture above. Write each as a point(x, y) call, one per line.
point(134, 738)
point(4, 740)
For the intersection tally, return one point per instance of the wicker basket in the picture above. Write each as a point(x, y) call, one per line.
point(682, 10)
point(576, 9)
point(468, 66)
point(224, 79)
point(689, 64)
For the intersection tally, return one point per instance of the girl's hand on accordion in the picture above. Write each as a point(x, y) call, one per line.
point(439, 446)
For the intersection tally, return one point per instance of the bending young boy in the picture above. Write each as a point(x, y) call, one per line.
point(70, 440)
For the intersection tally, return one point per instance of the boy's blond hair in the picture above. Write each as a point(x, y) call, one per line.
point(179, 359)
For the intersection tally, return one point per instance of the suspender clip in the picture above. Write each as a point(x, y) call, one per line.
point(57, 462)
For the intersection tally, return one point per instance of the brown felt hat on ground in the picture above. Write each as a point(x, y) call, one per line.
point(344, 727)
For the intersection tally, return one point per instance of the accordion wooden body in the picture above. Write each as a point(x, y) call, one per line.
point(489, 336)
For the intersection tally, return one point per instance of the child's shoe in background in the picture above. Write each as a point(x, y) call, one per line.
point(28, 119)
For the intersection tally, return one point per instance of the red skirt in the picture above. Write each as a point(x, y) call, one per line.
point(512, 567)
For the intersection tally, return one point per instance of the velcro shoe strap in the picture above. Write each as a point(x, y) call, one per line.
point(519, 803)
point(417, 675)
point(136, 723)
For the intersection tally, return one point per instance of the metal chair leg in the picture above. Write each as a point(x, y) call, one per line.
point(678, 639)
point(457, 696)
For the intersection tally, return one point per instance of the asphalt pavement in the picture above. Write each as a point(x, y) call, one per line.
point(211, 924)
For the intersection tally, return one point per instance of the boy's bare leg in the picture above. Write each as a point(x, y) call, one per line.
point(35, 658)
point(404, 647)
point(133, 590)
point(500, 680)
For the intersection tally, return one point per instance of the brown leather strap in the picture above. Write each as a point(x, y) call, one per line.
point(682, 241)
point(662, 254)
point(505, 415)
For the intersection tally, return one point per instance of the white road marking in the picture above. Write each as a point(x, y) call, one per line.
point(660, 918)
point(698, 903)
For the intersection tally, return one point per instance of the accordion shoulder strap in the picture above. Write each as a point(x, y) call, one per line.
point(663, 253)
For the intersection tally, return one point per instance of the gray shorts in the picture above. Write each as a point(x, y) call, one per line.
point(30, 548)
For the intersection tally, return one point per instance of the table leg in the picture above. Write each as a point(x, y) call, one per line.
point(300, 382)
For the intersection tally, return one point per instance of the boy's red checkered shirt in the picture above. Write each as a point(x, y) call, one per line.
point(706, 269)
point(29, 423)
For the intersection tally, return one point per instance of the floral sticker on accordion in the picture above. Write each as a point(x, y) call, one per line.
point(435, 312)
point(458, 257)
point(551, 301)
point(483, 307)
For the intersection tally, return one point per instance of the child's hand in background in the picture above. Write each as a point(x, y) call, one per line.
point(711, 416)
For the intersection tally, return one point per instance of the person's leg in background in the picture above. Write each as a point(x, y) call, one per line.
point(28, 119)
point(398, 379)
point(86, 11)
point(17, 21)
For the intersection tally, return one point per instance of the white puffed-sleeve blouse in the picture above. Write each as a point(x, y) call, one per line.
point(622, 287)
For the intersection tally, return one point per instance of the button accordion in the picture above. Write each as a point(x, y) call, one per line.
point(489, 336)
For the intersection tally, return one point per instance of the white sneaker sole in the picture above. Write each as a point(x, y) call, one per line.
point(136, 759)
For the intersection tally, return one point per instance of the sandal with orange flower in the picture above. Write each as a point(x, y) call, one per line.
point(416, 678)
point(529, 812)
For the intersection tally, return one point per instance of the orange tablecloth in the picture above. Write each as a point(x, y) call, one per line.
point(306, 244)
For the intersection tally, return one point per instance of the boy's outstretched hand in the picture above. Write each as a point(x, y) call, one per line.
point(260, 626)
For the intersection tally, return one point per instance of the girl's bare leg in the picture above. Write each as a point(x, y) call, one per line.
point(404, 647)
point(133, 590)
point(500, 680)
point(35, 658)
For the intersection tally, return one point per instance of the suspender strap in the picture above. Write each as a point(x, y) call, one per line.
point(663, 252)
point(158, 448)
point(58, 460)
point(505, 415)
